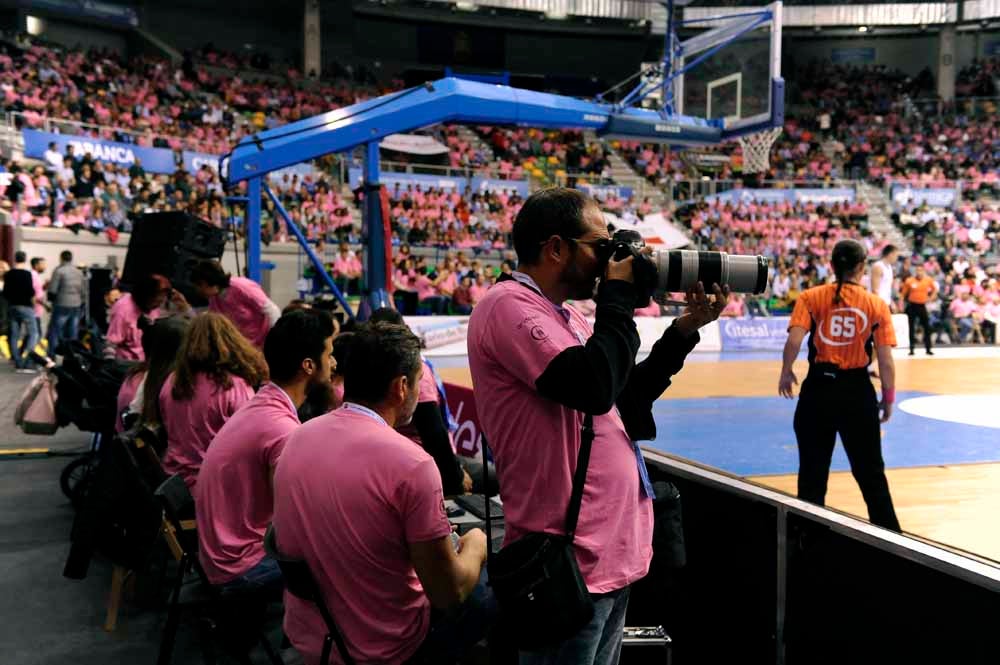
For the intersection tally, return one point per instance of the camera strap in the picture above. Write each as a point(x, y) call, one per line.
point(576, 496)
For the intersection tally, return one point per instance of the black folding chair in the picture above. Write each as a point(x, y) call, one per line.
point(300, 582)
point(203, 599)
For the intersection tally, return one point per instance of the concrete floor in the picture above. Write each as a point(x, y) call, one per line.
point(45, 618)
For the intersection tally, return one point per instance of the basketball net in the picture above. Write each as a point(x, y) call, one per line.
point(757, 149)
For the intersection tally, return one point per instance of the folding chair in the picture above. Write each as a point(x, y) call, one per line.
point(300, 582)
point(202, 598)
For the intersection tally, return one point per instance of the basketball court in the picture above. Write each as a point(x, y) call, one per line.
point(941, 447)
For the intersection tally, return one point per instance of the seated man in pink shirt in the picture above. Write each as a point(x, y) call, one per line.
point(239, 299)
point(234, 500)
point(347, 270)
point(538, 367)
point(363, 506)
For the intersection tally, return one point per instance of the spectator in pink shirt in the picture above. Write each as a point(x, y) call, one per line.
point(217, 372)
point(239, 299)
point(347, 270)
point(963, 310)
point(124, 336)
point(363, 506)
point(234, 498)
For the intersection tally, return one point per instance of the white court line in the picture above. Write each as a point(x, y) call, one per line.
point(949, 353)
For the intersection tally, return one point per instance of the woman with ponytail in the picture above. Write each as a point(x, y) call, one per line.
point(846, 324)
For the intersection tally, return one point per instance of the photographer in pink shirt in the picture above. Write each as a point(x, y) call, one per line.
point(538, 367)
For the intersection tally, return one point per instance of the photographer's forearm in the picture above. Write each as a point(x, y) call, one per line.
point(650, 378)
point(590, 377)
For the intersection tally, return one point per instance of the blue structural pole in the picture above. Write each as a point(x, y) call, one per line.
point(253, 229)
point(376, 294)
point(317, 263)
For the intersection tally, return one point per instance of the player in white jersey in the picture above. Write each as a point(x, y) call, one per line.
point(882, 275)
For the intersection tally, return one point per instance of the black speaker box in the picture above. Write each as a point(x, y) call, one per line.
point(169, 244)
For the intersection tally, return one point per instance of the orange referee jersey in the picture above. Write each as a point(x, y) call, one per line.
point(918, 291)
point(843, 333)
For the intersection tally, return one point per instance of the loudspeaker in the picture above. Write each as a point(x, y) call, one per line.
point(169, 244)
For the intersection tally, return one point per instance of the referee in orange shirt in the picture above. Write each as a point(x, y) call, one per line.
point(845, 323)
point(917, 292)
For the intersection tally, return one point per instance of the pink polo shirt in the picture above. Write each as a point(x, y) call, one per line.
point(347, 266)
point(244, 303)
point(350, 494)
point(192, 424)
point(961, 309)
point(38, 285)
point(123, 328)
point(233, 498)
point(514, 333)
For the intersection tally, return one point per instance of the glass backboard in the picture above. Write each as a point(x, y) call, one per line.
point(731, 67)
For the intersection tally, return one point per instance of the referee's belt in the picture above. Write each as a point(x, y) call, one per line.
point(830, 371)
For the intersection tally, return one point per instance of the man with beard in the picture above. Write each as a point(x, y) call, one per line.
point(538, 367)
point(234, 497)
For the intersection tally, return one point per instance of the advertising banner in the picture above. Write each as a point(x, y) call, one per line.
point(448, 183)
point(154, 160)
point(604, 191)
point(904, 196)
point(806, 195)
point(193, 161)
point(761, 334)
point(462, 404)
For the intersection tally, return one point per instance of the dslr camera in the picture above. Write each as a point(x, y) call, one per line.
point(676, 270)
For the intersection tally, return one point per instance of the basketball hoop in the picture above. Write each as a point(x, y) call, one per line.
point(757, 149)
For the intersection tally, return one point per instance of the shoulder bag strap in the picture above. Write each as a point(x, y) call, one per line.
point(580, 475)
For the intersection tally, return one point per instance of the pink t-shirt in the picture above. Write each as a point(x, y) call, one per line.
point(350, 493)
point(961, 309)
point(513, 335)
point(244, 303)
point(125, 396)
point(233, 497)
point(192, 424)
point(123, 328)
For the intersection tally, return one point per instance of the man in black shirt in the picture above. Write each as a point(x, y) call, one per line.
point(19, 291)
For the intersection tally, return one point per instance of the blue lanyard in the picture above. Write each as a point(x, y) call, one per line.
point(365, 411)
point(445, 411)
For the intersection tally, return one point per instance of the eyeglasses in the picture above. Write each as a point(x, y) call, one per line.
point(602, 246)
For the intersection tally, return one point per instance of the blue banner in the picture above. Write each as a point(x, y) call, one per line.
point(98, 11)
point(604, 191)
point(154, 160)
point(904, 196)
point(853, 55)
point(808, 195)
point(992, 48)
point(459, 183)
point(481, 185)
point(193, 161)
point(761, 334)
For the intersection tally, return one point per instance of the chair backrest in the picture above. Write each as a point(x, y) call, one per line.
point(298, 578)
point(178, 505)
point(300, 582)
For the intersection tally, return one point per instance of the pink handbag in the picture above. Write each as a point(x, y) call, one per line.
point(36, 411)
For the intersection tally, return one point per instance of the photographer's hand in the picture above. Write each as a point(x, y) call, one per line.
point(700, 309)
point(619, 270)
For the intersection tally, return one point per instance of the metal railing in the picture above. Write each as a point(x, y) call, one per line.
point(974, 107)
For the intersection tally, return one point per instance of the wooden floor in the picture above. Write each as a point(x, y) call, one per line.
point(955, 505)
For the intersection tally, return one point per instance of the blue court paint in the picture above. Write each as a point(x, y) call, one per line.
point(753, 436)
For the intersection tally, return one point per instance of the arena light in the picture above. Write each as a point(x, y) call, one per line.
point(862, 28)
point(466, 6)
point(556, 15)
point(35, 26)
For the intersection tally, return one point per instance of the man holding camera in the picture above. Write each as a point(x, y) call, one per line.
point(538, 367)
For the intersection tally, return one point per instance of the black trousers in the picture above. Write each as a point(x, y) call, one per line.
point(916, 313)
point(834, 402)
